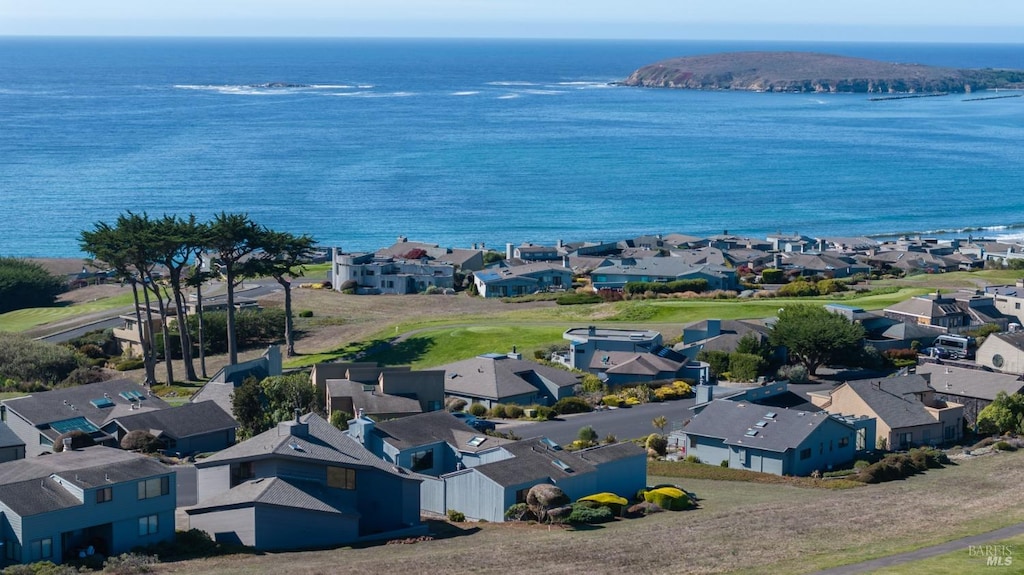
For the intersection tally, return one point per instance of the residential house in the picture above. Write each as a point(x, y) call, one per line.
point(586, 342)
point(1007, 299)
point(829, 265)
point(303, 484)
point(533, 253)
point(84, 502)
point(1003, 352)
point(906, 409)
point(462, 259)
point(724, 335)
point(222, 385)
point(191, 428)
point(974, 389)
point(38, 419)
point(11, 446)
point(617, 273)
point(495, 378)
point(794, 242)
point(522, 280)
point(770, 440)
point(952, 313)
point(375, 275)
point(848, 244)
point(483, 476)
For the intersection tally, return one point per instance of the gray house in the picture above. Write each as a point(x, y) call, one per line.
point(191, 428)
point(303, 484)
point(495, 378)
point(522, 280)
point(11, 446)
point(38, 419)
point(773, 440)
point(617, 273)
point(95, 500)
point(483, 476)
point(377, 275)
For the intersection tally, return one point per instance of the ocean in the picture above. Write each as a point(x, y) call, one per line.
point(461, 142)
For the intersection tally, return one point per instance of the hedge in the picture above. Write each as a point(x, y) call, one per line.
point(678, 286)
point(669, 498)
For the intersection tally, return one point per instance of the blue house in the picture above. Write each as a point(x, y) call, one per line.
point(483, 476)
point(773, 440)
point(96, 500)
point(522, 280)
point(303, 484)
point(615, 274)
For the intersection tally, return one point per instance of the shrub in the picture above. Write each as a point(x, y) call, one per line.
point(140, 440)
point(692, 459)
point(657, 443)
point(682, 388)
point(568, 405)
point(630, 402)
point(771, 276)
point(642, 508)
point(129, 364)
point(1003, 446)
point(129, 564)
point(589, 515)
point(899, 466)
point(26, 284)
point(586, 435)
point(724, 463)
point(718, 360)
point(456, 516)
point(670, 498)
point(543, 498)
point(578, 299)
point(513, 411)
point(799, 288)
point(454, 405)
point(79, 439)
point(793, 373)
point(477, 410)
point(349, 287)
point(745, 366)
point(26, 360)
point(545, 413)
point(519, 512)
point(306, 313)
point(499, 411)
point(611, 400)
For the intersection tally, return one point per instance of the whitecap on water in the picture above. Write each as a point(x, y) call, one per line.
point(511, 83)
point(466, 93)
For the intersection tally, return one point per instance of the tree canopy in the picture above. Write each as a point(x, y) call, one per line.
point(25, 284)
point(814, 335)
point(1004, 415)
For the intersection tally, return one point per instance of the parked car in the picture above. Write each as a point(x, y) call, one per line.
point(938, 352)
point(474, 421)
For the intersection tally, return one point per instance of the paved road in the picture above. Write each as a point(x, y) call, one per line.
point(626, 423)
point(958, 545)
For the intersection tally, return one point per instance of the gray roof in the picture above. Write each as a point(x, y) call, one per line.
point(8, 438)
point(1016, 339)
point(371, 402)
point(662, 267)
point(307, 495)
point(28, 486)
point(71, 402)
point(893, 399)
point(531, 460)
point(188, 420)
point(632, 363)
point(612, 452)
point(611, 334)
point(500, 377)
point(321, 442)
point(427, 428)
point(974, 383)
point(731, 420)
point(218, 392)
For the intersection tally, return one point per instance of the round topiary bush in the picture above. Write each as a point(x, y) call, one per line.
point(455, 405)
point(670, 498)
point(590, 515)
point(499, 411)
point(513, 411)
point(140, 440)
point(477, 410)
point(306, 313)
point(544, 497)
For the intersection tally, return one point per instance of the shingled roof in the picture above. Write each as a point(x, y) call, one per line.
point(497, 377)
point(427, 428)
point(372, 401)
point(83, 401)
point(279, 492)
point(32, 486)
point(894, 399)
point(730, 421)
point(188, 420)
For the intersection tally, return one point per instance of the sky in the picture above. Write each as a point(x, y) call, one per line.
point(812, 20)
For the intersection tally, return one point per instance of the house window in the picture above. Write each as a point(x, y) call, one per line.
point(12, 550)
point(805, 453)
point(149, 524)
point(422, 460)
point(434, 405)
point(341, 478)
point(1016, 305)
point(104, 495)
point(905, 439)
point(242, 472)
point(155, 487)
point(843, 442)
point(41, 548)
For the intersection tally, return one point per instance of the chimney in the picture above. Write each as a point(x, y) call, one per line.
point(509, 251)
point(294, 428)
point(560, 244)
point(565, 262)
point(591, 331)
point(514, 354)
point(67, 444)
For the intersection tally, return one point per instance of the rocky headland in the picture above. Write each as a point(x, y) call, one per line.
point(811, 72)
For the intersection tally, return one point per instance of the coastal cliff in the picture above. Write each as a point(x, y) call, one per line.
point(811, 72)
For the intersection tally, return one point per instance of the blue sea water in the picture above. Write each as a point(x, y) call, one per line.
point(468, 141)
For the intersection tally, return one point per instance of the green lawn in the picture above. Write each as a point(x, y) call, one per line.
point(23, 319)
point(445, 345)
point(968, 561)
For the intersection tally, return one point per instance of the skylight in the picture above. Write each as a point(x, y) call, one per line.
point(761, 423)
point(562, 465)
point(550, 444)
point(132, 395)
point(770, 415)
point(751, 433)
point(476, 441)
point(102, 402)
point(77, 423)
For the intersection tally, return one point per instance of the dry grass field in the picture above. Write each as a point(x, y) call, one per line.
point(739, 527)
